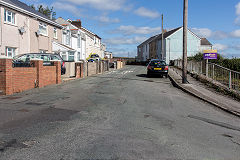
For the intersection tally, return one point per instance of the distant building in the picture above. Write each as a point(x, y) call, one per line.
point(72, 48)
point(108, 55)
point(205, 45)
point(173, 45)
point(143, 50)
point(93, 43)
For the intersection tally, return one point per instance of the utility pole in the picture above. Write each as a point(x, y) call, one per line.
point(162, 39)
point(185, 31)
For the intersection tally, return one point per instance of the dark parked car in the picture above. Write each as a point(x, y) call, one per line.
point(157, 67)
point(23, 60)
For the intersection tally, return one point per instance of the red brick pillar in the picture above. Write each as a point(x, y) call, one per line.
point(82, 70)
point(6, 71)
point(58, 71)
point(77, 69)
point(39, 65)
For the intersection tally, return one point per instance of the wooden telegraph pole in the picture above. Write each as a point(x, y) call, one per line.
point(185, 31)
point(162, 40)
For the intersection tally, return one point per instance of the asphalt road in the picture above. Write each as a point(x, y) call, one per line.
point(118, 115)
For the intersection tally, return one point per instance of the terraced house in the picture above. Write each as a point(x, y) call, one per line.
point(24, 30)
point(172, 45)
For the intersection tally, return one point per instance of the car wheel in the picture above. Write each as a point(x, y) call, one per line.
point(166, 76)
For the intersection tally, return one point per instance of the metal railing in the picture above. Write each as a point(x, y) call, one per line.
point(223, 75)
point(227, 77)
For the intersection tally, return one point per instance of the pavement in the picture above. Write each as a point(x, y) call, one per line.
point(200, 90)
point(118, 115)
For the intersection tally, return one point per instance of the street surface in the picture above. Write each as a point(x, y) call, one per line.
point(118, 115)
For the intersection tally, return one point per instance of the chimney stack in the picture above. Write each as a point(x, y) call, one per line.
point(77, 23)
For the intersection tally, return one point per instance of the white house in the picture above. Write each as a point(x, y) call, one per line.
point(92, 41)
point(73, 47)
point(172, 45)
point(205, 45)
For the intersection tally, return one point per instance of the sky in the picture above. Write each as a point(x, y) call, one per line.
point(124, 24)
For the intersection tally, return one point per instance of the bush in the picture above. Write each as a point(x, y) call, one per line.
point(233, 64)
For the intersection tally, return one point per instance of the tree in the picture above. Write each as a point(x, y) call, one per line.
point(45, 10)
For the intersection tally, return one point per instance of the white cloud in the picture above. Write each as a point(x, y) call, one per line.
point(106, 19)
point(237, 20)
point(67, 7)
point(220, 47)
point(129, 30)
point(207, 33)
point(144, 12)
point(124, 41)
point(235, 34)
point(202, 32)
point(113, 5)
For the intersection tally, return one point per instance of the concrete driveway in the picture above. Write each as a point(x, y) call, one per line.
point(118, 115)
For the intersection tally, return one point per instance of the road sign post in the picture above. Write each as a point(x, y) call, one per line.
point(209, 54)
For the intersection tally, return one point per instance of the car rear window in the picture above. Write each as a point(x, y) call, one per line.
point(157, 63)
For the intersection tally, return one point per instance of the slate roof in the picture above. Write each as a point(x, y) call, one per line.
point(205, 42)
point(148, 40)
point(167, 34)
point(15, 4)
point(159, 36)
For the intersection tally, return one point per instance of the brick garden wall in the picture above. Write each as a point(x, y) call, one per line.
point(18, 79)
point(49, 75)
point(92, 68)
point(23, 78)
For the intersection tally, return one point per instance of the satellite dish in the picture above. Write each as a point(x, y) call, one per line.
point(22, 30)
point(38, 33)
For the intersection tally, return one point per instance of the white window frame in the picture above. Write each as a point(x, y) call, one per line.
point(79, 41)
point(78, 56)
point(55, 32)
point(8, 13)
point(64, 56)
point(71, 55)
point(11, 50)
point(68, 38)
point(43, 26)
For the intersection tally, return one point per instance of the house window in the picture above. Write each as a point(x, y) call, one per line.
point(55, 32)
point(64, 56)
point(78, 56)
point(79, 41)
point(9, 17)
point(71, 56)
point(10, 52)
point(43, 29)
point(68, 38)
